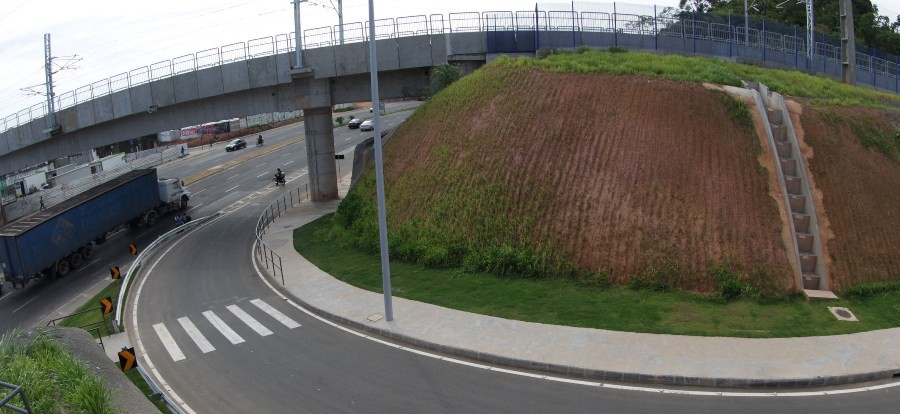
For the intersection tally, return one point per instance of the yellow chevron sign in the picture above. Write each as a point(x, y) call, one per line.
point(127, 359)
point(114, 271)
point(133, 249)
point(107, 305)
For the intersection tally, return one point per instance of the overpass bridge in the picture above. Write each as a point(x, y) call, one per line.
point(258, 76)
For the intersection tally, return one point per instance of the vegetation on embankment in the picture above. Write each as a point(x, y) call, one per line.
point(855, 163)
point(54, 380)
point(594, 304)
point(819, 90)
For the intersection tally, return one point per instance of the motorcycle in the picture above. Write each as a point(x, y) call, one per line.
point(259, 142)
point(279, 179)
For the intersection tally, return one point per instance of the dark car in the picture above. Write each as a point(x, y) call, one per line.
point(235, 145)
point(354, 123)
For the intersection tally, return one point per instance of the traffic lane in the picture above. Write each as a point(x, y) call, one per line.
point(40, 299)
point(318, 368)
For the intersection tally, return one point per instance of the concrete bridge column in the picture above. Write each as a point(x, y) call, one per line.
point(320, 154)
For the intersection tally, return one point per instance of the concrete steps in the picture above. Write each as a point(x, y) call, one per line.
point(804, 226)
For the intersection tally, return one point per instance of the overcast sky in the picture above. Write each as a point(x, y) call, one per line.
point(114, 36)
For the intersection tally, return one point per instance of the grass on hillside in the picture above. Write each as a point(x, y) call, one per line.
point(594, 305)
point(813, 89)
point(27, 362)
point(135, 376)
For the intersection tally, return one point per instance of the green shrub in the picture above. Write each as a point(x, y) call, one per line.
point(444, 75)
point(617, 49)
point(584, 49)
point(867, 290)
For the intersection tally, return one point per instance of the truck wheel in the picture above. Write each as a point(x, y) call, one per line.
point(151, 219)
point(184, 202)
point(75, 260)
point(87, 251)
point(101, 239)
point(62, 268)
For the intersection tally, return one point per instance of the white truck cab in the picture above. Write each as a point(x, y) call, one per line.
point(173, 194)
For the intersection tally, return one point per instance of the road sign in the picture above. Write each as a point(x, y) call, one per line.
point(127, 359)
point(114, 271)
point(107, 305)
point(133, 249)
point(338, 156)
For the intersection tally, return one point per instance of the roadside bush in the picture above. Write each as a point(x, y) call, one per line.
point(657, 277)
point(867, 290)
point(444, 75)
point(617, 49)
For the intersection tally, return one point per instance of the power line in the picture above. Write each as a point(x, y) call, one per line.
point(13, 10)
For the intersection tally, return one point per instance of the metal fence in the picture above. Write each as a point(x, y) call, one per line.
point(6, 401)
point(612, 18)
point(272, 212)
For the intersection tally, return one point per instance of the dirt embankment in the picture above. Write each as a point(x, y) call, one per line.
point(617, 173)
point(860, 189)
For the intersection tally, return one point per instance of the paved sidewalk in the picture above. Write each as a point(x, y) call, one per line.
point(593, 353)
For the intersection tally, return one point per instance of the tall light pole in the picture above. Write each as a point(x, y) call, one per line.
point(298, 42)
point(746, 25)
point(379, 173)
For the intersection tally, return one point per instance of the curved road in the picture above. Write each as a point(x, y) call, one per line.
point(244, 357)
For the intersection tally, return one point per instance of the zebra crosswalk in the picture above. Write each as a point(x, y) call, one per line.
point(212, 320)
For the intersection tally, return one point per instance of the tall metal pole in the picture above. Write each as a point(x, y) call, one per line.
point(298, 42)
point(341, 18)
point(48, 71)
point(379, 173)
point(746, 25)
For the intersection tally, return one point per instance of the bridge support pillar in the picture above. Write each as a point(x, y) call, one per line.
point(320, 154)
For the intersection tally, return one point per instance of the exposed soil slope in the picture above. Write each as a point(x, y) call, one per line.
point(861, 191)
point(609, 172)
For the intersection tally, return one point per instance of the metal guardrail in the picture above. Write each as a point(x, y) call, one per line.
point(272, 212)
point(16, 390)
point(146, 254)
point(583, 21)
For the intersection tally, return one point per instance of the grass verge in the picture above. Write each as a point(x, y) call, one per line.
point(84, 319)
point(136, 378)
point(26, 362)
point(567, 302)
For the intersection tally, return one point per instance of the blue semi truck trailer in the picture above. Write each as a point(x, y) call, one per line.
point(54, 241)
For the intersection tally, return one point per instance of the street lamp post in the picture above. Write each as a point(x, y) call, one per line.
point(298, 42)
point(379, 173)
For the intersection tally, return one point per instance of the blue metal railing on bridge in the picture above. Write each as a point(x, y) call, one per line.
point(603, 25)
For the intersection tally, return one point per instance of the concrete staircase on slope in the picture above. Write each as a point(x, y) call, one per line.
point(807, 246)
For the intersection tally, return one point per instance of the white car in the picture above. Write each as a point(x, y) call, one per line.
point(367, 125)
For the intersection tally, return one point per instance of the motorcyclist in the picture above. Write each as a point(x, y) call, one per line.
point(279, 177)
point(259, 141)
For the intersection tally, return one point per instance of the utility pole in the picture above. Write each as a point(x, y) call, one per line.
point(52, 126)
point(848, 44)
point(340, 12)
point(810, 31)
point(298, 37)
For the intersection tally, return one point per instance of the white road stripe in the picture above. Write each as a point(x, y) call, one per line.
point(198, 192)
point(168, 342)
point(198, 205)
point(260, 165)
point(196, 335)
point(288, 163)
point(275, 313)
point(233, 176)
point(232, 188)
point(265, 173)
point(252, 323)
point(229, 334)
point(285, 155)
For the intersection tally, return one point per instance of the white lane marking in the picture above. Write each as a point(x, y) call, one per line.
point(260, 165)
point(229, 334)
point(275, 313)
point(232, 188)
point(198, 192)
point(139, 342)
point(288, 163)
point(168, 342)
point(23, 305)
point(285, 155)
point(348, 139)
point(252, 323)
point(198, 205)
point(196, 335)
point(140, 236)
point(265, 173)
point(233, 176)
point(560, 379)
